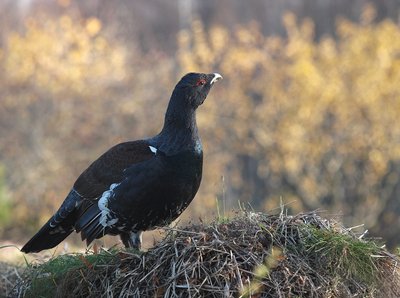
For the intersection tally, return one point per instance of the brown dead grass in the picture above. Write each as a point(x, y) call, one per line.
point(10, 275)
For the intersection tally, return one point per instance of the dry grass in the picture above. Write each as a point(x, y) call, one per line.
point(252, 255)
point(9, 277)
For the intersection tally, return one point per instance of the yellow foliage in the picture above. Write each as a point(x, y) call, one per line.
point(316, 119)
point(93, 26)
point(312, 123)
point(51, 68)
point(63, 55)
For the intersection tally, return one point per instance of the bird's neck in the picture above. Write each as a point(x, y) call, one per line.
point(180, 115)
point(180, 121)
point(180, 129)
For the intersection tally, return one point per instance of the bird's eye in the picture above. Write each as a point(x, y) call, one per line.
point(201, 82)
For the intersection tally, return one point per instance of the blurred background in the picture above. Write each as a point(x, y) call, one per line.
point(307, 114)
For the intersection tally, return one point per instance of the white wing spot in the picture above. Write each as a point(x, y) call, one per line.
point(153, 149)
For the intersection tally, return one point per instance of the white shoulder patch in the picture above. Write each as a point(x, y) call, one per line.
point(153, 149)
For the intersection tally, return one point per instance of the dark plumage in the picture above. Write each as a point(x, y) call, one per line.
point(136, 185)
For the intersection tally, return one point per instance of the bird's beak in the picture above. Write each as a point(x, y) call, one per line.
point(216, 77)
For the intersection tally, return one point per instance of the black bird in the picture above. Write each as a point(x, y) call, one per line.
point(137, 185)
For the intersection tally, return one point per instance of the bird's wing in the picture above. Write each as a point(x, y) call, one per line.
point(97, 219)
point(99, 179)
point(109, 168)
point(81, 203)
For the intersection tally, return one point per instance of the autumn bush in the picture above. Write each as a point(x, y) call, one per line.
point(66, 96)
point(311, 123)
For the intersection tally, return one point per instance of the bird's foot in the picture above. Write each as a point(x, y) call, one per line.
point(132, 239)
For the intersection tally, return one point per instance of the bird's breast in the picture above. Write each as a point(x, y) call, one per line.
point(158, 195)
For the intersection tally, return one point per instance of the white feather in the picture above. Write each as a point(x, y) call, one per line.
point(153, 149)
point(198, 147)
point(105, 218)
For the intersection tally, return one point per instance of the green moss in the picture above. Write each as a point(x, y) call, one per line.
point(46, 277)
point(342, 254)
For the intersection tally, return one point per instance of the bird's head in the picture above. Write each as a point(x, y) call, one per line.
point(189, 93)
point(193, 88)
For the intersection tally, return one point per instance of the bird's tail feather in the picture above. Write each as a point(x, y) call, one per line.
point(89, 224)
point(58, 227)
point(47, 237)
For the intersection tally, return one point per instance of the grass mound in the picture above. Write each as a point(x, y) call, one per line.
point(252, 255)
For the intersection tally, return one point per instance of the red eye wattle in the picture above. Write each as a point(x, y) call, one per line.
point(201, 82)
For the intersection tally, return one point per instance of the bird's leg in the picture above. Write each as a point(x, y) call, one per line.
point(132, 239)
